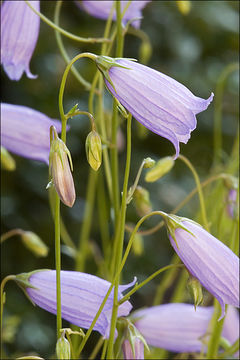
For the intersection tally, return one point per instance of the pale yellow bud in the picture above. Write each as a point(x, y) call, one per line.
point(63, 349)
point(149, 163)
point(145, 52)
point(138, 245)
point(141, 201)
point(162, 167)
point(34, 243)
point(94, 150)
point(184, 6)
point(7, 161)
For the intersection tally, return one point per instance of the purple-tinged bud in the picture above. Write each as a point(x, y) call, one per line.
point(179, 328)
point(137, 352)
point(7, 161)
point(19, 34)
point(34, 243)
point(157, 101)
point(142, 201)
point(195, 290)
point(232, 204)
point(162, 167)
point(94, 150)
point(134, 343)
point(60, 170)
point(81, 297)
point(206, 258)
point(63, 348)
point(102, 9)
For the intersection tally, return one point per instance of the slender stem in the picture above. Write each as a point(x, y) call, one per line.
point(217, 140)
point(120, 238)
point(139, 286)
point(3, 283)
point(10, 233)
point(199, 188)
point(96, 348)
point(64, 32)
point(213, 344)
point(232, 350)
point(58, 264)
point(133, 188)
point(104, 349)
point(178, 293)
point(62, 49)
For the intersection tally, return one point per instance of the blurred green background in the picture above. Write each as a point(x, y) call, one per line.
point(193, 49)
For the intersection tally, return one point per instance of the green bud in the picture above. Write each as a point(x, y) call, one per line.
point(231, 182)
point(94, 150)
point(184, 6)
point(195, 289)
point(7, 161)
point(149, 163)
point(142, 201)
point(138, 245)
point(63, 349)
point(34, 243)
point(145, 52)
point(132, 335)
point(162, 167)
point(59, 169)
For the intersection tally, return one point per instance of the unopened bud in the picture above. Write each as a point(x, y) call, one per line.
point(149, 163)
point(141, 201)
point(63, 349)
point(7, 161)
point(195, 289)
point(162, 167)
point(138, 245)
point(60, 170)
point(145, 52)
point(184, 6)
point(94, 150)
point(133, 345)
point(34, 243)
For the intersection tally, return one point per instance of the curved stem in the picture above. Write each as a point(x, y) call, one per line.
point(64, 32)
point(10, 233)
point(133, 188)
point(62, 49)
point(96, 348)
point(58, 263)
point(199, 189)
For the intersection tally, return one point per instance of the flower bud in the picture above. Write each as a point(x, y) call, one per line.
point(34, 243)
point(94, 150)
point(60, 170)
point(195, 289)
point(141, 201)
point(7, 161)
point(133, 345)
point(138, 245)
point(63, 349)
point(149, 163)
point(145, 52)
point(184, 6)
point(162, 167)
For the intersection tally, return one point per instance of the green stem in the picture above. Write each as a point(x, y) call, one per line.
point(64, 32)
point(62, 49)
point(3, 283)
point(178, 293)
point(217, 140)
point(213, 344)
point(87, 221)
point(10, 233)
point(199, 188)
point(58, 264)
point(139, 286)
point(229, 352)
point(96, 348)
point(133, 188)
point(120, 238)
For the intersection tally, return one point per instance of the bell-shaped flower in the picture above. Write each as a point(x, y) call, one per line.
point(25, 131)
point(19, 34)
point(159, 102)
point(81, 297)
point(206, 258)
point(102, 9)
point(179, 328)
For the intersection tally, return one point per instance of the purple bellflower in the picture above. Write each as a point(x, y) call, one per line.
point(81, 297)
point(102, 9)
point(207, 259)
point(19, 34)
point(157, 101)
point(25, 131)
point(179, 328)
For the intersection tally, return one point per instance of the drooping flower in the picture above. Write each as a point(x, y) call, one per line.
point(81, 297)
point(178, 327)
point(25, 131)
point(101, 9)
point(207, 259)
point(19, 34)
point(159, 102)
point(59, 169)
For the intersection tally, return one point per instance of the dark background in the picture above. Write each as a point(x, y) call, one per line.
point(193, 49)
